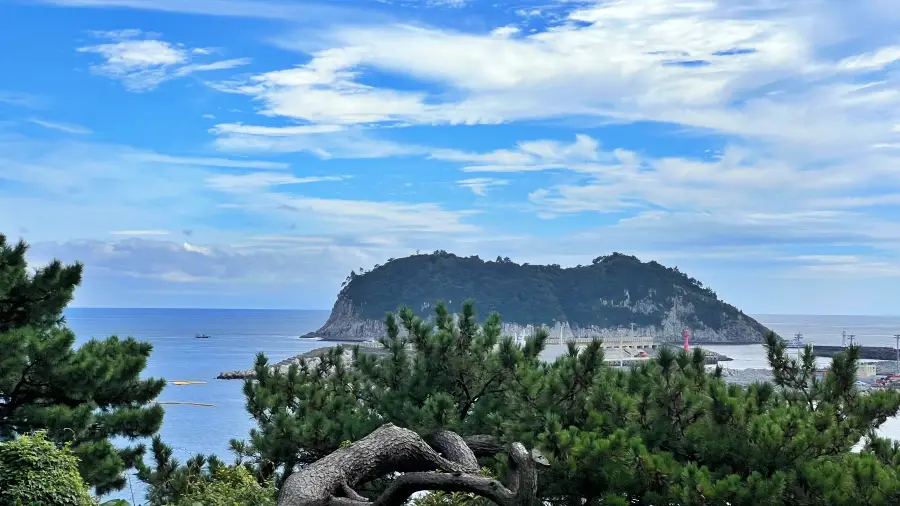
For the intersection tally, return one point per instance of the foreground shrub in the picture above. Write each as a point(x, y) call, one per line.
point(229, 486)
point(34, 470)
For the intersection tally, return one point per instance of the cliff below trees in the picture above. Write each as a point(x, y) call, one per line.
point(612, 293)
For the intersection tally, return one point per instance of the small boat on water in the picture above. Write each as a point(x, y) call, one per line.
point(797, 343)
point(201, 336)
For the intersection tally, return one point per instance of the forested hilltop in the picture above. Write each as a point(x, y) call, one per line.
point(612, 292)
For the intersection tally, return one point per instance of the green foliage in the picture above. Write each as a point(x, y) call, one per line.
point(34, 471)
point(201, 481)
point(667, 432)
point(230, 486)
point(455, 376)
point(540, 294)
point(84, 397)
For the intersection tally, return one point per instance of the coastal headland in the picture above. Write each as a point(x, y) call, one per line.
point(613, 295)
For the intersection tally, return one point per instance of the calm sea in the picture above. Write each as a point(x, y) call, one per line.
point(237, 335)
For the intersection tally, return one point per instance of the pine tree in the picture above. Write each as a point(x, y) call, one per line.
point(85, 396)
point(445, 374)
point(666, 432)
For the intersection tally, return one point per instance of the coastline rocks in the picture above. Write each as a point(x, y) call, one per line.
point(345, 324)
point(312, 359)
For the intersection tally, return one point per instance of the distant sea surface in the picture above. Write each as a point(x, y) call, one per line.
point(236, 335)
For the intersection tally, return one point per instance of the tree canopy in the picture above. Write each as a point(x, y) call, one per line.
point(667, 432)
point(84, 396)
point(615, 290)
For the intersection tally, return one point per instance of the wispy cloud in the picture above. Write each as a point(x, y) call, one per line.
point(602, 59)
point(140, 232)
point(208, 161)
point(456, 4)
point(528, 156)
point(480, 185)
point(262, 180)
point(62, 127)
point(286, 131)
point(142, 62)
point(19, 99)
point(297, 11)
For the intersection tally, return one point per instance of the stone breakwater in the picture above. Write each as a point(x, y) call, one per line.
point(884, 353)
point(345, 324)
point(312, 359)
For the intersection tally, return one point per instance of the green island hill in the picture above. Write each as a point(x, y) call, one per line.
point(597, 300)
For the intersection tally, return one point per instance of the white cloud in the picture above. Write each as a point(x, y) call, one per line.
point(73, 190)
point(749, 70)
point(737, 180)
point(872, 61)
point(241, 129)
point(18, 99)
point(262, 180)
point(127, 33)
point(62, 127)
point(528, 156)
point(298, 12)
point(324, 141)
point(324, 91)
point(197, 249)
point(480, 185)
point(140, 232)
point(208, 161)
point(456, 4)
point(506, 31)
point(361, 217)
point(142, 64)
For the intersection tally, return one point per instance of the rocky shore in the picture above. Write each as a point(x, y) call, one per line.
point(312, 358)
point(345, 324)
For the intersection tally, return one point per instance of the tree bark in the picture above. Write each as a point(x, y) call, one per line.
point(330, 480)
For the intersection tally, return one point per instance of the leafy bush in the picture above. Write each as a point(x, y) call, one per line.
point(33, 470)
point(229, 486)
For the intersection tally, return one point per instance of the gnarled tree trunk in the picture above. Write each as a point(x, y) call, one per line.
point(330, 481)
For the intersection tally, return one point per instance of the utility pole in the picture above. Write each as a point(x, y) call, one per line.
point(897, 337)
point(851, 336)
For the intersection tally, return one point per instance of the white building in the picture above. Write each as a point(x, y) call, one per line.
point(865, 370)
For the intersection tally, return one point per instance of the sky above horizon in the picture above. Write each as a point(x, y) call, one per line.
point(238, 153)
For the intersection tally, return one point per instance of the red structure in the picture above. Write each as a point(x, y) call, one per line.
point(687, 338)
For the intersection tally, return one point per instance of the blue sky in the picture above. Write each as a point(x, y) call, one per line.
point(237, 153)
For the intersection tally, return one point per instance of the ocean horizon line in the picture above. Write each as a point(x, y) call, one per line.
point(157, 308)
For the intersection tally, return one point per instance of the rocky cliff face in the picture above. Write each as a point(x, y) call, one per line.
point(345, 324)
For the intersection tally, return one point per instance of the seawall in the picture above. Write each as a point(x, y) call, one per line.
point(865, 352)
